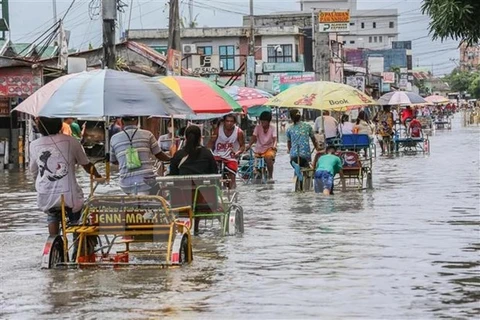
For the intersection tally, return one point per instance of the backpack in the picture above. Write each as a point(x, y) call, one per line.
point(131, 154)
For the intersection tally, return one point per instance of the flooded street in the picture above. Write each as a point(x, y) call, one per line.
point(407, 249)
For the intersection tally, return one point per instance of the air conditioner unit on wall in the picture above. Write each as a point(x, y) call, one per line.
point(189, 49)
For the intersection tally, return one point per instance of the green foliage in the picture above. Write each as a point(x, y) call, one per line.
point(464, 81)
point(456, 19)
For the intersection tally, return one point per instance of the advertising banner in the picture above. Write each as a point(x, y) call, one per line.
point(358, 82)
point(19, 82)
point(283, 81)
point(334, 21)
point(388, 77)
point(174, 60)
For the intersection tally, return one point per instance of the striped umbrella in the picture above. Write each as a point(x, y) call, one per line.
point(104, 92)
point(201, 95)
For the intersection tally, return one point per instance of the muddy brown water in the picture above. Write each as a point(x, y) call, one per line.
point(407, 249)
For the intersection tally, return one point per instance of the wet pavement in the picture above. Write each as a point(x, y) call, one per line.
point(407, 249)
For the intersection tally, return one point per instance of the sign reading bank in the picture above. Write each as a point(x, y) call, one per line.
point(334, 21)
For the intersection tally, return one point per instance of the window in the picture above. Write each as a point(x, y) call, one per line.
point(391, 25)
point(380, 39)
point(374, 25)
point(363, 25)
point(344, 42)
point(375, 39)
point(275, 55)
point(370, 39)
point(352, 23)
point(208, 51)
point(204, 52)
point(352, 41)
point(227, 57)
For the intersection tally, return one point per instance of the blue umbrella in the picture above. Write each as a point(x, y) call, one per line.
point(101, 93)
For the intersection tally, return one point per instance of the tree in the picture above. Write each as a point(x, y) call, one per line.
point(464, 81)
point(456, 19)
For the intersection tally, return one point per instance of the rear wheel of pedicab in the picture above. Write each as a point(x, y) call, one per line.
point(53, 252)
point(239, 226)
point(185, 251)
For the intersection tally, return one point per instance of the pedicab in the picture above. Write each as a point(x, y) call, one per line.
point(110, 226)
point(207, 196)
point(319, 95)
point(408, 145)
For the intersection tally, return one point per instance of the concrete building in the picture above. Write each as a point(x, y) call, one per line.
point(370, 29)
point(469, 57)
point(224, 50)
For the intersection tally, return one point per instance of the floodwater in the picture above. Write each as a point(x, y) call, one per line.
point(409, 249)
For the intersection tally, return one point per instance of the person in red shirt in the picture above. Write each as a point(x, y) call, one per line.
point(415, 128)
point(407, 114)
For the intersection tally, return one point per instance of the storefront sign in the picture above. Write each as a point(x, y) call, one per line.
point(334, 27)
point(4, 107)
point(283, 81)
point(334, 16)
point(283, 67)
point(174, 59)
point(388, 77)
point(358, 82)
point(334, 21)
point(205, 65)
point(19, 82)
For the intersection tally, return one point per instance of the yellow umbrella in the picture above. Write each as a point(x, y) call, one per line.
point(321, 95)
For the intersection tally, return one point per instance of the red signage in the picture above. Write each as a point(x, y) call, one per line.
point(19, 82)
point(4, 107)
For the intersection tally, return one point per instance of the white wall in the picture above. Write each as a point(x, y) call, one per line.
point(308, 5)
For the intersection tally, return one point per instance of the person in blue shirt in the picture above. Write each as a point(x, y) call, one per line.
point(298, 140)
point(327, 166)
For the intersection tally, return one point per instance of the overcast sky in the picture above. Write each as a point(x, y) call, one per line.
point(29, 19)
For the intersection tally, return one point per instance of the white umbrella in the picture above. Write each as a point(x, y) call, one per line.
point(400, 98)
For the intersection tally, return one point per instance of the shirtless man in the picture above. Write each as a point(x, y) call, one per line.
point(227, 143)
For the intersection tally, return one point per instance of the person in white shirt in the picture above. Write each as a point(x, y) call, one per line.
point(330, 124)
point(345, 126)
point(53, 160)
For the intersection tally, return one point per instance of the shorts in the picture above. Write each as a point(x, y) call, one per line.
point(231, 165)
point(54, 215)
point(270, 153)
point(304, 163)
point(323, 181)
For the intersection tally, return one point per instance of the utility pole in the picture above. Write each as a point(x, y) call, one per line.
point(174, 26)
point(190, 13)
point(252, 31)
point(54, 4)
point(109, 16)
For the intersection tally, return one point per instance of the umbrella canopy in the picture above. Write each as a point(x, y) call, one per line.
point(400, 97)
point(201, 95)
point(256, 111)
point(436, 99)
point(321, 95)
point(248, 97)
point(99, 93)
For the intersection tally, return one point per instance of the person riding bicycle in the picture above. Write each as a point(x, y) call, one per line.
point(298, 136)
point(227, 143)
point(265, 138)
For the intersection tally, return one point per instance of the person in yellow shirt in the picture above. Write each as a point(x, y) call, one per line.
point(66, 129)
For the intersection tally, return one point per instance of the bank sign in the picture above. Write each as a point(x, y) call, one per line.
point(334, 21)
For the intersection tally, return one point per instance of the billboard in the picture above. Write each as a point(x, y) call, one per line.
point(388, 77)
point(283, 81)
point(19, 82)
point(174, 60)
point(334, 21)
point(358, 82)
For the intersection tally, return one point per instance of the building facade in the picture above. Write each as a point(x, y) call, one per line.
point(469, 57)
point(277, 49)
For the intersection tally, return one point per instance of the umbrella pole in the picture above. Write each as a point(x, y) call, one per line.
point(278, 110)
point(107, 150)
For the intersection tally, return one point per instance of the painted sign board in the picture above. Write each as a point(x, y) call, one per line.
point(334, 16)
point(174, 59)
point(283, 67)
point(388, 77)
point(283, 81)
